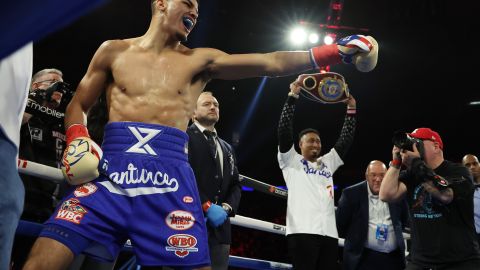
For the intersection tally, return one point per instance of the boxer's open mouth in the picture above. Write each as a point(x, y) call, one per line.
point(188, 23)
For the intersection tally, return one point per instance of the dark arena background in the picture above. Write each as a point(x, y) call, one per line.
point(426, 76)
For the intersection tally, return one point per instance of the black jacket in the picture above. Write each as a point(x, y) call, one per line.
point(217, 190)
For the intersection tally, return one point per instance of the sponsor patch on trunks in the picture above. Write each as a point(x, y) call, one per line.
point(71, 211)
point(182, 244)
point(85, 190)
point(180, 220)
point(187, 199)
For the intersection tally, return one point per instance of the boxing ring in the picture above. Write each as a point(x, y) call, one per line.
point(55, 175)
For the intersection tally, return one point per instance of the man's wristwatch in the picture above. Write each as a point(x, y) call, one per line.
point(227, 208)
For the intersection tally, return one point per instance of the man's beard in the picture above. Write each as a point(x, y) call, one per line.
point(206, 121)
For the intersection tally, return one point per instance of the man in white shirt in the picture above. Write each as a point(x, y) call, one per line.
point(15, 74)
point(372, 229)
point(311, 231)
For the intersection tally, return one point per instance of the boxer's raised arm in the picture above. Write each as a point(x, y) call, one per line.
point(240, 66)
point(358, 50)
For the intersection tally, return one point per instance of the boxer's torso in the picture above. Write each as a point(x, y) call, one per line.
point(151, 87)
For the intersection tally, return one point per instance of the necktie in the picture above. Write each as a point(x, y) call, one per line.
point(213, 149)
point(211, 141)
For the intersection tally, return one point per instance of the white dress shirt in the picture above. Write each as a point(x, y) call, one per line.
point(219, 148)
point(476, 209)
point(378, 214)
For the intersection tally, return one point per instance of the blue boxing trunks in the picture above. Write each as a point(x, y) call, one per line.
point(146, 193)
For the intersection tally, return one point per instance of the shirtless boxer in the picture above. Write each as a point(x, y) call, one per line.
point(146, 191)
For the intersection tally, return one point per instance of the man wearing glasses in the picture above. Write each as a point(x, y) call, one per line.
point(372, 229)
point(42, 81)
point(440, 196)
point(42, 140)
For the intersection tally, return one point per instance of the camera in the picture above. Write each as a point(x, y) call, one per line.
point(46, 94)
point(404, 141)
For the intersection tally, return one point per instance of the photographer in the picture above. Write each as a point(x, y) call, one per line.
point(43, 139)
point(440, 196)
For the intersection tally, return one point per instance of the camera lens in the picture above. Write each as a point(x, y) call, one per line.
point(402, 140)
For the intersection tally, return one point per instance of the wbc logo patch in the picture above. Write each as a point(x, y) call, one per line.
point(71, 211)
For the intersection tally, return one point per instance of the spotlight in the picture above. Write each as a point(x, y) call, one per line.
point(313, 38)
point(474, 103)
point(298, 36)
point(328, 39)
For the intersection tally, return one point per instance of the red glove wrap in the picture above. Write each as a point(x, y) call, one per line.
point(325, 55)
point(75, 131)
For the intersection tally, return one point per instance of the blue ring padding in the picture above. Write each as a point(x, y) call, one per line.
point(33, 229)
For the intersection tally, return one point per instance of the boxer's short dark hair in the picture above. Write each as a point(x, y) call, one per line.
point(308, 130)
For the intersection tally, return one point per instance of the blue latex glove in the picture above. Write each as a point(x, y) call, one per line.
point(216, 215)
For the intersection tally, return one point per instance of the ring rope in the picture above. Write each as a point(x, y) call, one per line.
point(40, 170)
point(263, 187)
point(250, 263)
point(56, 175)
point(258, 224)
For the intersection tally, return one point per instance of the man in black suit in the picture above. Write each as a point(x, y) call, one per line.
point(471, 162)
point(214, 164)
point(372, 229)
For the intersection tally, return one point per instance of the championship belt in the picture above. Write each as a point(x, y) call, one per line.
point(329, 87)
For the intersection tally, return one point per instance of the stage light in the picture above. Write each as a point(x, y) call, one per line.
point(313, 38)
point(474, 103)
point(298, 36)
point(328, 39)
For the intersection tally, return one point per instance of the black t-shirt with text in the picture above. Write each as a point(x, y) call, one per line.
point(43, 141)
point(442, 234)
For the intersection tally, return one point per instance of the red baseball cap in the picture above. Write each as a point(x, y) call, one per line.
point(427, 134)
